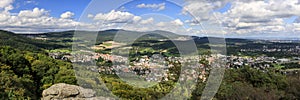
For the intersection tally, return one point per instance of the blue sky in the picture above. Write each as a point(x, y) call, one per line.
point(56, 7)
point(225, 8)
point(217, 18)
point(82, 8)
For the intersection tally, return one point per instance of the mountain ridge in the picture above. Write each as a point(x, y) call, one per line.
point(70, 33)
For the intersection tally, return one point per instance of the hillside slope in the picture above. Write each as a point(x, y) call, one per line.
point(23, 43)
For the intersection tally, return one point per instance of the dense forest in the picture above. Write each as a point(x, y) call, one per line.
point(253, 84)
point(24, 74)
point(26, 69)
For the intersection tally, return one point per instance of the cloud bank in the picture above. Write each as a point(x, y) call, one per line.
point(157, 7)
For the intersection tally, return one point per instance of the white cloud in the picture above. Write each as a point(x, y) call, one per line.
point(161, 24)
point(8, 8)
point(30, 2)
point(136, 18)
point(166, 26)
point(5, 3)
point(37, 20)
point(261, 9)
point(67, 15)
point(198, 9)
point(260, 16)
point(157, 7)
point(147, 21)
point(244, 16)
point(36, 12)
point(117, 17)
point(177, 22)
point(90, 16)
point(4, 16)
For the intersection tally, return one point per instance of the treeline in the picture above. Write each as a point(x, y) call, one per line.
point(24, 74)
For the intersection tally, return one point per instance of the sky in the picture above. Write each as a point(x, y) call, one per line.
point(222, 18)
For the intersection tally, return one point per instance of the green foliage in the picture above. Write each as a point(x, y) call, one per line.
point(24, 74)
point(248, 83)
point(102, 62)
point(293, 88)
point(290, 65)
point(126, 91)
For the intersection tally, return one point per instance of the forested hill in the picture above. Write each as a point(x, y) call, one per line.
point(24, 43)
point(26, 70)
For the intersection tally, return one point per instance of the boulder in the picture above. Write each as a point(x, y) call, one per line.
point(64, 91)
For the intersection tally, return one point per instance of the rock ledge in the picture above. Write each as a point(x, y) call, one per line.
point(64, 91)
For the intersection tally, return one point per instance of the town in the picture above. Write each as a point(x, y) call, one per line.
point(156, 67)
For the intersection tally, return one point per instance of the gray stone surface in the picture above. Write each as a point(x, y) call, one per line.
point(64, 91)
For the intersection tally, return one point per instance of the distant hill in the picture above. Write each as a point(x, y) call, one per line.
point(24, 43)
point(108, 35)
point(63, 40)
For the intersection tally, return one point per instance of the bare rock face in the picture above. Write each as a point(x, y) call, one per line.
point(64, 91)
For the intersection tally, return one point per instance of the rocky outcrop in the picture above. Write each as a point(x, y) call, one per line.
point(64, 91)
